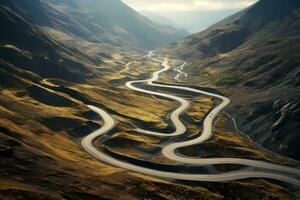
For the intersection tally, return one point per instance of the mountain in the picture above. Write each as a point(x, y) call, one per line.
point(254, 55)
point(24, 46)
point(115, 23)
point(52, 38)
point(195, 21)
point(159, 18)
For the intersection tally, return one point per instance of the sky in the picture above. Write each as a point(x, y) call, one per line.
point(194, 15)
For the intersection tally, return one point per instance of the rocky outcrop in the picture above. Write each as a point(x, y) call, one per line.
point(274, 124)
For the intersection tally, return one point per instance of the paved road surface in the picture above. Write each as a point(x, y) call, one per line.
point(261, 169)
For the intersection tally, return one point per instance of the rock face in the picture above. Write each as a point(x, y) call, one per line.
point(255, 54)
point(274, 124)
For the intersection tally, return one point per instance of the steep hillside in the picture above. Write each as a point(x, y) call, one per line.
point(115, 23)
point(25, 46)
point(65, 39)
point(255, 54)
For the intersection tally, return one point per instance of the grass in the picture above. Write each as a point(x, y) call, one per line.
point(225, 78)
point(51, 164)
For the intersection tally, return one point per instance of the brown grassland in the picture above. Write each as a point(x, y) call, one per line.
point(41, 156)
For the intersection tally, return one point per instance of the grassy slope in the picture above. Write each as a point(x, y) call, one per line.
point(36, 141)
point(254, 57)
point(227, 143)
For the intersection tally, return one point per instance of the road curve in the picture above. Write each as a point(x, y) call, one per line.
point(283, 173)
point(109, 123)
point(184, 104)
point(170, 150)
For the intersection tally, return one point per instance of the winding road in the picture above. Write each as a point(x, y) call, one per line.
point(259, 168)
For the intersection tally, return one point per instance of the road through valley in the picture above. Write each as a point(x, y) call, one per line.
point(258, 168)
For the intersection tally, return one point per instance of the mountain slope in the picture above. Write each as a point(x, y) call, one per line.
point(26, 47)
point(115, 22)
point(255, 54)
point(52, 38)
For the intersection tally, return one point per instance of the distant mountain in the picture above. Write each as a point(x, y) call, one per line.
point(159, 19)
point(114, 22)
point(256, 54)
point(195, 21)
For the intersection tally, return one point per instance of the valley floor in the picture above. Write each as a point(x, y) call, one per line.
point(40, 142)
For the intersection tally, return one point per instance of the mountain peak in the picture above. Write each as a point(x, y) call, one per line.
point(265, 12)
point(273, 9)
point(279, 2)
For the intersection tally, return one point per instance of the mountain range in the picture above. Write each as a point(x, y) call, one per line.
point(159, 18)
point(115, 23)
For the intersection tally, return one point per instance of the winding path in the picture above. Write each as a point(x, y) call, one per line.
point(261, 169)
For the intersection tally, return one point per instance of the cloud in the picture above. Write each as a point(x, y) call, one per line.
point(188, 5)
point(221, 5)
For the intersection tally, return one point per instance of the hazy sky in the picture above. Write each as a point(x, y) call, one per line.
point(193, 15)
point(188, 5)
